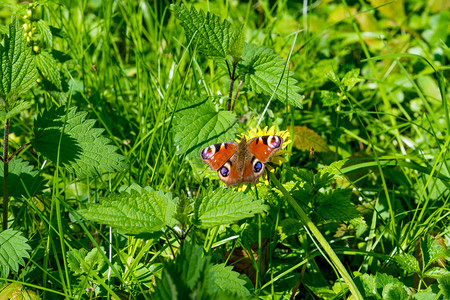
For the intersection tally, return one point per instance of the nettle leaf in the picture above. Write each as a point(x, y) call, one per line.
point(207, 32)
point(134, 212)
point(288, 227)
point(407, 262)
point(13, 249)
point(228, 280)
point(431, 250)
point(187, 275)
point(424, 294)
point(394, 291)
point(83, 149)
point(45, 32)
point(444, 286)
point(374, 285)
point(351, 79)
point(17, 69)
point(198, 124)
point(17, 291)
point(224, 206)
point(23, 180)
point(436, 272)
point(305, 138)
point(261, 70)
point(49, 68)
point(336, 205)
point(16, 108)
point(329, 98)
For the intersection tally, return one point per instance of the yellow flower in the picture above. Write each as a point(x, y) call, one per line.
point(277, 157)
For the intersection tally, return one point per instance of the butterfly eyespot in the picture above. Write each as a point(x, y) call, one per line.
point(208, 152)
point(274, 141)
point(224, 171)
point(257, 166)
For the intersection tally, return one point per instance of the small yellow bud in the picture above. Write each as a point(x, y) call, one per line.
point(29, 12)
point(28, 38)
point(38, 80)
point(25, 25)
point(36, 48)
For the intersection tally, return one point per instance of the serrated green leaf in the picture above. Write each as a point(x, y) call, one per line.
point(198, 124)
point(336, 205)
point(207, 32)
point(394, 291)
point(305, 138)
point(436, 272)
point(49, 68)
point(16, 291)
point(18, 72)
point(83, 149)
point(225, 206)
point(134, 212)
point(329, 98)
point(444, 285)
point(288, 227)
point(237, 43)
point(46, 34)
point(424, 295)
point(74, 260)
point(351, 79)
point(13, 249)
point(360, 226)
point(187, 275)
point(23, 180)
point(431, 250)
point(228, 280)
point(18, 107)
point(407, 262)
point(261, 70)
point(94, 260)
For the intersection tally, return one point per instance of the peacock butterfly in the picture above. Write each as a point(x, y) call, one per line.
point(241, 162)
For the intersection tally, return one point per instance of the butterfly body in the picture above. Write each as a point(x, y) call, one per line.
point(241, 162)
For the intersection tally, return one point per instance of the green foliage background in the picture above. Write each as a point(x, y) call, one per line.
point(118, 98)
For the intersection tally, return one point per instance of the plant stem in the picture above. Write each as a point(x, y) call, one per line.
point(5, 177)
point(320, 238)
point(232, 80)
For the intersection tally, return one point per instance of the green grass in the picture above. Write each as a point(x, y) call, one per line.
point(365, 210)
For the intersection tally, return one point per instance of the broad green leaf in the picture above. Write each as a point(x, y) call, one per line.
point(83, 149)
point(424, 295)
point(237, 43)
point(394, 291)
point(45, 32)
point(444, 285)
point(407, 262)
point(374, 285)
point(23, 180)
point(207, 32)
point(431, 250)
point(288, 227)
point(94, 260)
point(18, 107)
point(17, 69)
point(224, 206)
point(336, 205)
point(351, 79)
point(329, 98)
point(187, 275)
point(436, 272)
point(49, 69)
point(228, 280)
point(134, 212)
point(305, 138)
point(13, 249)
point(74, 260)
point(198, 124)
point(17, 291)
point(360, 226)
point(261, 70)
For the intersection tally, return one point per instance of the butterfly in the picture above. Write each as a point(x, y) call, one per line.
point(241, 162)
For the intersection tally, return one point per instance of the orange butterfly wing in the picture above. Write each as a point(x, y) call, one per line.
point(218, 154)
point(264, 147)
